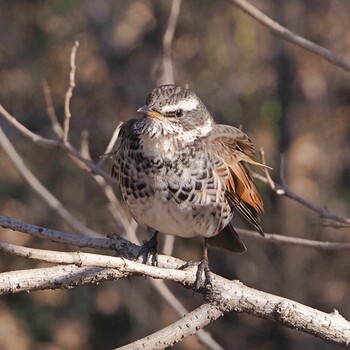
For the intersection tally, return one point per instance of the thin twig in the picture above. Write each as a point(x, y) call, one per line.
point(116, 243)
point(40, 140)
point(114, 206)
point(84, 144)
point(111, 144)
point(283, 190)
point(266, 169)
point(287, 34)
point(168, 69)
point(50, 143)
point(41, 190)
point(56, 126)
point(69, 92)
point(294, 241)
point(104, 179)
point(168, 245)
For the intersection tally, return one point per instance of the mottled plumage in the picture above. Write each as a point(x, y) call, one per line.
point(184, 175)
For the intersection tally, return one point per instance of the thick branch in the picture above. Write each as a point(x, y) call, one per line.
point(55, 277)
point(96, 260)
point(228, 296)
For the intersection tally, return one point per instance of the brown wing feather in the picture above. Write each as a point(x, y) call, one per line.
point(234, 147)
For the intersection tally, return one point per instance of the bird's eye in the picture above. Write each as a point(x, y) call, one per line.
point(179, 113)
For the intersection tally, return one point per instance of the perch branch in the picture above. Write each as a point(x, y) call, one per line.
point(228, 296)
point(118, 243)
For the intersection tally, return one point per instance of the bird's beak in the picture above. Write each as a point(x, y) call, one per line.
point(147, 110)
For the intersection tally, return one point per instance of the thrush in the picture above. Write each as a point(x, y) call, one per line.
point(182, 174)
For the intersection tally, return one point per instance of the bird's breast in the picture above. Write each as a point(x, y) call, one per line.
point(172, 188)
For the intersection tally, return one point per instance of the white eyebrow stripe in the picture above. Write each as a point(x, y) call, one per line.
point(186, 105)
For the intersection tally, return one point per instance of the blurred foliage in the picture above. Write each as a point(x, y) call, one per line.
point(286, 99)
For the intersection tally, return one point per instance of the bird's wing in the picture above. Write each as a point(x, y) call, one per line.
point(234, 148)
point(124, 135)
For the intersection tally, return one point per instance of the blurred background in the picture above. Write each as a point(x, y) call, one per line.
point(288, 100)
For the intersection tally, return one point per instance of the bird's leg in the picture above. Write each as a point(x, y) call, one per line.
point(150, 249)
point(203, 267)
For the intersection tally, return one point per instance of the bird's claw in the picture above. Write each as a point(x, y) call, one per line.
point(203, 269)
point(149, 249)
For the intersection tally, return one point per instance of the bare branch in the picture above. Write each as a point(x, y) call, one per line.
point(168, 69)
point(56, 126)
point(294, 241)
point(187, 325)
point(55, 277)
point(42, 141)
point(111, 144)
point(49, 143)
point(287, 34)
point(41, 190)
point(226, 295)
point(117, 243)
point(203, 336)
point(69, 92)
point(283, 190)
point(95, 260)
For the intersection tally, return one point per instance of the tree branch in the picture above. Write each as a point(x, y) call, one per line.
point(187, 325)
point(293, 241)
point(55, 277)
point(290, 36)
point(283, 190)
point(56, 126)
point(69, 92)
point(203, 336)
point(41, 190)
point(227, 296)
point(168, 69)
point(50, 143)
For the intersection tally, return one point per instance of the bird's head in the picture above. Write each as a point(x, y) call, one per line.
point(176, 109)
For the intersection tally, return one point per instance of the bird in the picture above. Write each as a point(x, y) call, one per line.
point(182, 174)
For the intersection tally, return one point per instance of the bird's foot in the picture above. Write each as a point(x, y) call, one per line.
point(203, 271)
point(149, 249)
